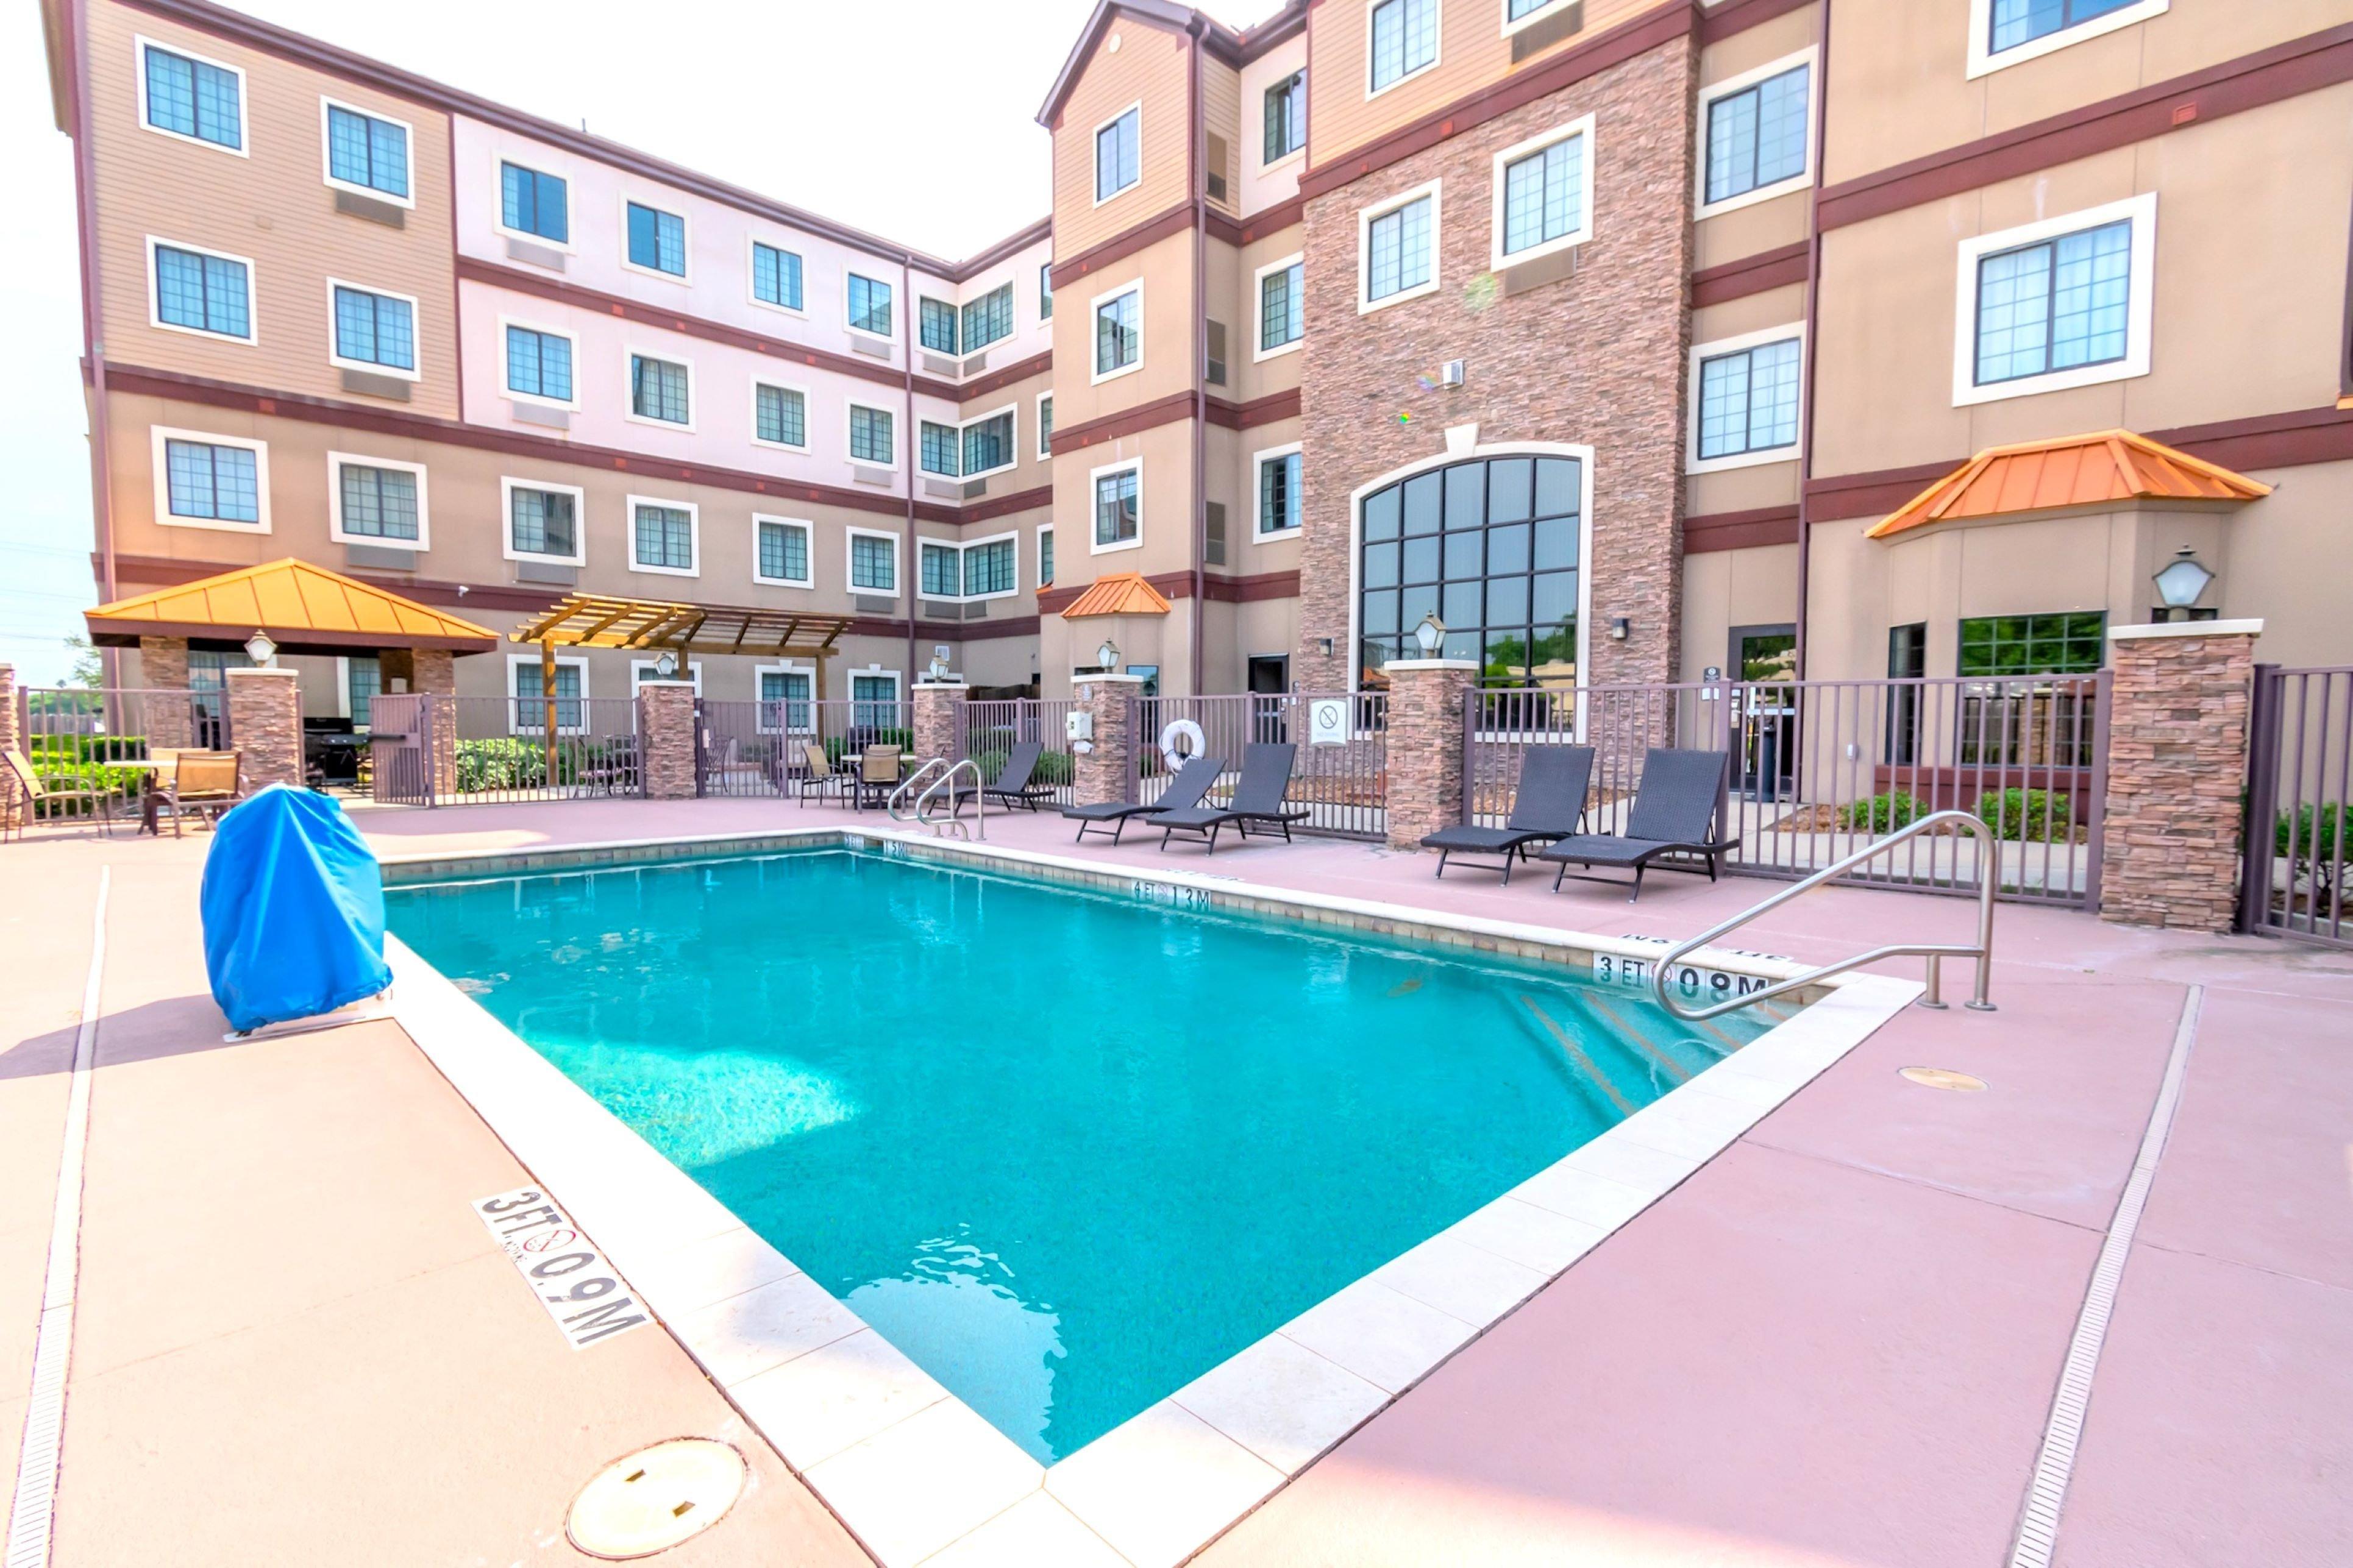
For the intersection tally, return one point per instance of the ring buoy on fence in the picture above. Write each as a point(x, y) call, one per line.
point(1181, 729)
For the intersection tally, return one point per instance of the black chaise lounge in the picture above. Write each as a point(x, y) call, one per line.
point(1549, 804)
point(1673, 813)
point(1257, 798)
point(1013, 785)
point(1186, 789)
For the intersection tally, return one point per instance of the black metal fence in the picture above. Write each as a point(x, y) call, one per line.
point(2299, 789)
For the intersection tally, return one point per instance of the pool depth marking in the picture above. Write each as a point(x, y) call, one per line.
point(586, 1296)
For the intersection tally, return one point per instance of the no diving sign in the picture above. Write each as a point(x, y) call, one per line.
point(574, 1283)
point(1327, 722)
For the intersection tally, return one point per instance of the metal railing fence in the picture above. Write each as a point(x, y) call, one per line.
point(96, 746)
point(432, 749)
point(1340, 775)
point(2299, 795)
point(992, 727)
point(761, 748)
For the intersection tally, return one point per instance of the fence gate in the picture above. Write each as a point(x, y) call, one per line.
point(2299, 785)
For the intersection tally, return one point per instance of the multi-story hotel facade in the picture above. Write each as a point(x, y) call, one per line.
point(1632, 340)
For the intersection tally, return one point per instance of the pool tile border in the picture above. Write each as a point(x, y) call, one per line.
point(910, 1470)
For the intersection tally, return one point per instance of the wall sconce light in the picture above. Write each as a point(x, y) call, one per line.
point(1430, 635)
point(2181, 582)
point(1323, 647)
point(261, 651)
point(1619, 627)
point(1107, 657)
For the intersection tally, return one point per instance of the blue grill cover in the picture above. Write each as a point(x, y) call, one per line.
point(293, 910)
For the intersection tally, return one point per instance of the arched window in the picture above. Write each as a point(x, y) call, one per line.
point(1490, 546)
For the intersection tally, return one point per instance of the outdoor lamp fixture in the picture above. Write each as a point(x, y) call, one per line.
point(261, 651)
point(938, 669)
point(1430, 635)
point(1107, 657)
point(1618, 629)
point(666, 664)
point(2181, 582)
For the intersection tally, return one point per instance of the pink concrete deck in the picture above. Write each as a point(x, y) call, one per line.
point(1835, 1344)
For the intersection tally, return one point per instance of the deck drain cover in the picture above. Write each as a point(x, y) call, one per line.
point(1944, 1077)
point(654, 1499)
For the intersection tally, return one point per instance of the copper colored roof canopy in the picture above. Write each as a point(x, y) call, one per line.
point(1119, 593)
point(2103, 468)
point(596, 620)
point(304, 607)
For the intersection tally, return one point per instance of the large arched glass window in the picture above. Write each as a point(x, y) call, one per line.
point(1490, 547)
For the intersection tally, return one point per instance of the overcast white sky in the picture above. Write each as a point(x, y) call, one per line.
point(913, 118)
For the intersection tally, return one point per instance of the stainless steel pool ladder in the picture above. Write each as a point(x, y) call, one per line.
point(948, 774)
point(1989, 879)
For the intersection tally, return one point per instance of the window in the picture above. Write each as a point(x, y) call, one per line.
point(366, 153)
point(1278, 492)
point(211, 483)
point(539, 364)
point(661, 536)
point(201, 292)
point(192, 98)
point(1281, 305)
point(1404, 40)
point(1045, 425)
point(377, 501)
point(2011, 24)
point(942, 571)
point(1046, 292)
point(776, 277)
point(1757, 131)
point(534, 203)
point(374, 330)
point(527, 684)
point(363, 683)
point(780, 415)
point(658, 390)
point(782, 551)
point(1908, 659)
point(1399, 243)
point(543, 521)
point(873, 562)
point(988, 319)
point(644, 670)
point(874, 703)
point(1286, 117)
point(869, 305)
point(1119, 506)
point(1119, 155)
point(1540, 194)
point(988, 444)
point(935, 325)
point(1492, 547)
point(989, 568)
point(1521, 10)
point(656, 240)
point(870, 437)
point(1045, 557)
point(784, 701)
point(2062, 303)
point(1744, 392)
point(1119, 332)
point(2020, 716)
point(936, 449)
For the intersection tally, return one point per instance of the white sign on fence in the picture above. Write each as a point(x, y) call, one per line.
point(574, 1283)
point(1327, 722)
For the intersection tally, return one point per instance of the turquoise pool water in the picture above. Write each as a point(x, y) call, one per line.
point(1066, 1150)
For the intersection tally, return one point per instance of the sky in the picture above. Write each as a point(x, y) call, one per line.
point(914, 120)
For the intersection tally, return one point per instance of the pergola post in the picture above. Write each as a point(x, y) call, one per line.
point(547, 697)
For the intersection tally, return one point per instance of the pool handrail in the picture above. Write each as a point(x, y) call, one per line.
point(908, 783)
point(947, 781)
point(1988, 879)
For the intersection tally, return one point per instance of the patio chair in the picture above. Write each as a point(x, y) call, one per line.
point(877, 775)
point(1186, 789)
point(1674, 811)
point(29, 784)
point(1549, 804)
point(1257, 798)
point(818, 775)
point(201, 782)
point(1012, 786)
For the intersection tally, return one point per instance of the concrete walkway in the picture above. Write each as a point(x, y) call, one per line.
point(1836, 1344)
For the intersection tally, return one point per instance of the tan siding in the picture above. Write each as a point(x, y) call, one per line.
point(1149, 68)
point(274, 208)
point(1221, 90)
point(1764, 225)
point(1166, 269)
point(1258, 378)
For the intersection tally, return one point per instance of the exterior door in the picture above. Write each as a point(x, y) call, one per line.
point(1765, 662)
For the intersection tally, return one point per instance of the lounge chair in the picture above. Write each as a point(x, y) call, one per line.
point(1012, 786)
point(1673, 813)
point(1186, 789)
point(28, 782)
point(1257, 798)
point(201, 782)
point(1549, 804)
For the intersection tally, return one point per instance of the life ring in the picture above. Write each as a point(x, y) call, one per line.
point(1176, 730)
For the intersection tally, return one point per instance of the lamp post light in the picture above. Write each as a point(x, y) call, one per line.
point(937, 670)
point(1430, 635)
point(261, 651)
point(666, 664)
point(2181, 584)
point(1107, 657)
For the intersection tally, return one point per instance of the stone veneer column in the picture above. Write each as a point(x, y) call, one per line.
point(1425, 746)
point(11, 739)
point(939, 719)
point(265, 725)
point(666, 721)
point(2178, 713)
point(164, 667)
point(1105, 771)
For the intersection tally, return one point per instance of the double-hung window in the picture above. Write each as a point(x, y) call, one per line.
point(539, 364)
point(942, 571)
point(661, 537)
point(1045, 556)
point(784, 701)
point(656, 240)
point(192, 98)
point(1400, 249)
point(936, 449)
point(377, 502)
point(783, 551)
point(1045, 424)
point(1278, 492)
point(1046, 291)
point(1746, 397)
point(1286, 118)
point(659, 390)
point(869, 305)
point(935, 325)
point(2060, 303)
point(1119, 155)
point(202, 292)
point(528, 685)
point(2012, 24)
point(1540, 194)
point(1119, 506)
point(780, 415)
point(873, 562)
point(990, 567)
point(378, 330)
point(211, 483)
point(1281, 305)
point(534, 203)
point(988, 445)
point(871, 439)
point(988, 319)
point(367, 153)
point(543, 521)
point(1119, 332)
point(1758, 129)
point(776, 277)
point(1404, 40)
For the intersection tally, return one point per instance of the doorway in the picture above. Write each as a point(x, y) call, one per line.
point(1764, 662)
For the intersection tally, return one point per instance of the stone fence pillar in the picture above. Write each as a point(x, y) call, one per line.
point(2178, 712)
point(1104, 768)
point(12, 739)
point(666, 722)
point(1425, 746)
point(265, 725)
point(939, 719)
point(170, 722)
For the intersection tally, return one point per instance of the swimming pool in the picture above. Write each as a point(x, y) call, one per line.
point(1066, 1150)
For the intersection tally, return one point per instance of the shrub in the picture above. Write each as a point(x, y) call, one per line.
point(2031, 816)
point(1054, 768)
point(2312, 841)
point(1883, 813)
point(514, 763)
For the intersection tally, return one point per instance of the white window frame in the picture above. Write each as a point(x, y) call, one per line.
point(1258, 463)
point(508, 485)
point(336, 463)
point(1581, 128)
point(783, 666)
point(1984, 63)
point(416, 335)
point(639, 668)
point(752, 279)
point(966, 349)
point(2138, 321)
point(1045, 530)
point(897, 304)
point(1802, 180)
point(1260, 352)
point(544, 330)
point(629, 388)
point(693, 535)
point(955, 432)
point(1094, 377)
point(1540, 13)
point(808, 403)
point(141, 43)
point(517, 706)
point(155, 292)
point(1045, 431)
point(1365, 303)
point(1299, 70)
point(1436, 51)
point(327, 148)
point(955, 313)
point(1094, 152)
point(924, 543)
point(1095, 479)
point(808, 551)
point(1013, 447)
point(685, 242)
point(876, 672)
point(959, 549)
point(849, 561)
point(498, 159)
point(893, 466)
point(1695, 463)
point(164, 517)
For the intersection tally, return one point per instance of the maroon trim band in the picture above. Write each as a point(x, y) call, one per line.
point(1737, 280)
point(1118, 246)
point(1740, 529)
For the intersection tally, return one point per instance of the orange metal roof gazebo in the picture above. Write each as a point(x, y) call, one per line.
point(1119, 593)
point(303, 608)
point(2105, 467)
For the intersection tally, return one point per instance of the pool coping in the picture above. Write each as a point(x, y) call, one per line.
point(917, 1476)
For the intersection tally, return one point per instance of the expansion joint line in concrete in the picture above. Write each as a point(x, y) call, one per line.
point(31, 1513)
point(2038, 1525)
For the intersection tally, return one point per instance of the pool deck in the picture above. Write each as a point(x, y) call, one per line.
point(1836, 1344)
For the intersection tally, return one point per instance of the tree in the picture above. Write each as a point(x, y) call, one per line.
point(89, 668)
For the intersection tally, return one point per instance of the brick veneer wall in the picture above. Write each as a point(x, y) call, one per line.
point(666, 718)
point(164, 667)
point(2177, 716)
point(1106, 771)
point(939, 714)
point(1595, 359)
point(1425, 747)
point(265, 725)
